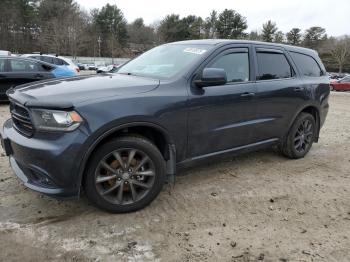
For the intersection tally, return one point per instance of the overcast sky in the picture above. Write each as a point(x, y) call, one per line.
point(332, 15)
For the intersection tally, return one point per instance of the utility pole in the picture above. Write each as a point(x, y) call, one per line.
point(111, 27)
point(99, 46)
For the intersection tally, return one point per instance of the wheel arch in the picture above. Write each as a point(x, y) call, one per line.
point(154, 132)
point(315, 112)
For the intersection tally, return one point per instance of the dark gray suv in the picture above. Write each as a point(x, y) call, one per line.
point(121, 136)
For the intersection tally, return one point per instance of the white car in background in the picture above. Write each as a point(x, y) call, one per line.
point(5, 53)
point(56, 60)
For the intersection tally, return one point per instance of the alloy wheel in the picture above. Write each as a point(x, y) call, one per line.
point(125, 176)
point(303, 136)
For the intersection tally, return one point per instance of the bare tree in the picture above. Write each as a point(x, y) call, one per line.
point(210, 25)
point(340, 51)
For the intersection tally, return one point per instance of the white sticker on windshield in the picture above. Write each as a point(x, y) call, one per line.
point(196, 51)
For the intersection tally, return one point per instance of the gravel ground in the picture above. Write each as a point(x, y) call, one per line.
point(258, 206)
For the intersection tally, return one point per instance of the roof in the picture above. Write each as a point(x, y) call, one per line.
point(68, 60)
point(222, 42)
point(26, 59)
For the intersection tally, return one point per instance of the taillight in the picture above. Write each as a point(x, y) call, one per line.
point(78, 70)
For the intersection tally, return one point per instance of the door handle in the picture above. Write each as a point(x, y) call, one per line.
point(247, 94)
point(298, 89)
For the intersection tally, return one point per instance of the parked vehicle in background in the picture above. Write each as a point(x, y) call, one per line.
point(341, 84)
point(16, 71)
point(5, 53)
point(80, 66)
point(337, 76)
point(55, 60)
point(92, 67)
point(107, 69)
point(83, 66)
point(120, 136)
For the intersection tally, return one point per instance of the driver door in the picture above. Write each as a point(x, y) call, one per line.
point(222, 117)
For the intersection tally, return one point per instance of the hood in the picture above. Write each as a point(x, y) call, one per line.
point(65, 93)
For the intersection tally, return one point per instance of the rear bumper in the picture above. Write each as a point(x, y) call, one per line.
point(47, 164)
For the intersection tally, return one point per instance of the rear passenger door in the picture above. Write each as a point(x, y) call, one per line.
point(279, 92)
point(25, 71)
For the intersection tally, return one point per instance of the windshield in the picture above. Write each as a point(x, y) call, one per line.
point(164, 61)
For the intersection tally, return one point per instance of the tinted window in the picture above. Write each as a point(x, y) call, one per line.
point(47, 59)
point(307, 65)
point(23, 66)
point(58, 61)
point(273, 66)
point(62, 62)
point(2, 65)
point(236, 66)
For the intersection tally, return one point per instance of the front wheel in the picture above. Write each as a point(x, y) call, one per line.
point(300, 137)
point(125, 175)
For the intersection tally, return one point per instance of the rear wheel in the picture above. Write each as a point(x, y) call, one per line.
point(125, 175)
point(300, 137)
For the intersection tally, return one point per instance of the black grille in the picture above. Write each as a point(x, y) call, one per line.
point(21, 119)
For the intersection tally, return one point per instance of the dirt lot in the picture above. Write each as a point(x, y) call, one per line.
point(258, 206)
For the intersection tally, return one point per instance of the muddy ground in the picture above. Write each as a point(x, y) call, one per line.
point(258, 206)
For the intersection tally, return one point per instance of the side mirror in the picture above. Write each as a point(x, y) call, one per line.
point(212, 77)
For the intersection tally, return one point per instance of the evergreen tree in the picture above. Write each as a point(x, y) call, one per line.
point(269, 30)
point(231, 25)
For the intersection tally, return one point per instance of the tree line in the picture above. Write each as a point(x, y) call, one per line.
point(63, 27)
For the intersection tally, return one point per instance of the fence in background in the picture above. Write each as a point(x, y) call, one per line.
point(99, 61)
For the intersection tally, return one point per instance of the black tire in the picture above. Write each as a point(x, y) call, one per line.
point(96, 165)
point(292, 146)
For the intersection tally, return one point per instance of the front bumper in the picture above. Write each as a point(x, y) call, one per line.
point(47, 163)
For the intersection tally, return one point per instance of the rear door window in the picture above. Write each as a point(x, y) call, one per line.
point(273, 66)
point(23, 66)
point(47, 59)
point(307, 65)
point(58, 61)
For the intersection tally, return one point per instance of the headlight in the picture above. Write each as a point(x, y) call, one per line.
point(54, 120)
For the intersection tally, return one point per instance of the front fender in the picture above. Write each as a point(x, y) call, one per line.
point(97, 137)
